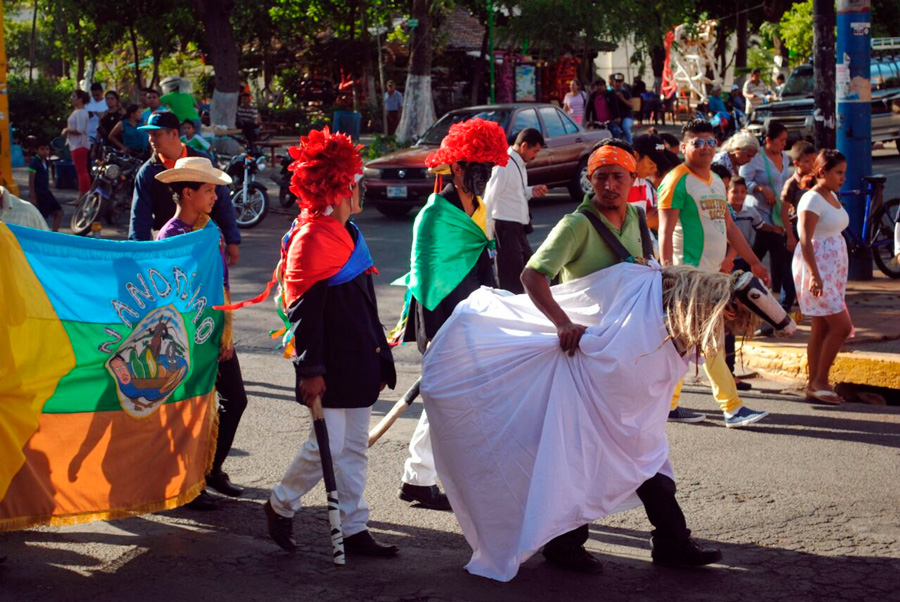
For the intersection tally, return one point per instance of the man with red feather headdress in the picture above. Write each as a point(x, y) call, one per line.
point(452, 256)
point(340, 351)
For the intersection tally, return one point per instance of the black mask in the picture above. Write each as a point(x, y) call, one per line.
point(476, 176)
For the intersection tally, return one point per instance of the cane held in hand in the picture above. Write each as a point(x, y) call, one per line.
point(334, 511)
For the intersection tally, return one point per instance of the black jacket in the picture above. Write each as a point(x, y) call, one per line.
point(423, 324)
point(152, 204)
point(337, 334)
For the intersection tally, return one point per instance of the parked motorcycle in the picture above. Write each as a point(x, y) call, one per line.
point(285, 197)
point(249, 197)
point(110, 194)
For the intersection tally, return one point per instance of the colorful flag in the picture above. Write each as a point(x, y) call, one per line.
point(108, 361)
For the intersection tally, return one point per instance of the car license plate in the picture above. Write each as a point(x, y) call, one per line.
point(396, 192)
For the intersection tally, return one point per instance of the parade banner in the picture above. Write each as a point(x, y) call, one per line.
point(108, 361)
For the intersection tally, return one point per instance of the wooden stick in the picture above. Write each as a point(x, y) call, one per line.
point(391, 417)
point(334, 510)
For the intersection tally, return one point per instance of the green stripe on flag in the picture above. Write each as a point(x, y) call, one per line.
point(89, 387)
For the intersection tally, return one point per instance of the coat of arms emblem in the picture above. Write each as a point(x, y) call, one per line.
point(150, 364)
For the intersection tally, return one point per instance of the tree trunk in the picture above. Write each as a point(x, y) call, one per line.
point(154, 81)
point(657, 64)
point(137, 60)
point(740, 53)
point(216, 18)
point(824, 21)
point(31, 45)
point(418, 110)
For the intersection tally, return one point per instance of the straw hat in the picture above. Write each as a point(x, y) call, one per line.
point(194, 169)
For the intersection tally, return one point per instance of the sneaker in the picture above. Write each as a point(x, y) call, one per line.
point(682, 415)
point(744, 417)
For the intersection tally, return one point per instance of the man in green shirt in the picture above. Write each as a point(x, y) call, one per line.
point(574, 249)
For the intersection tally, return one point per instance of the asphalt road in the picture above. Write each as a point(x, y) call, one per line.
point(805, 506)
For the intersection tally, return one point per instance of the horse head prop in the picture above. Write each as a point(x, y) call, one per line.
point(698, 304)
point(753, 294)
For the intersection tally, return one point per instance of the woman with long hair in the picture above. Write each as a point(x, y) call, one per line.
point(765, 175)
point(76, 133)
point(575, 101)
point(820, 271)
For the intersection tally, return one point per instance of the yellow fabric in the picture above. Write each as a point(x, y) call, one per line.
point(723, 387)
point(35, 353)
point(480, 216)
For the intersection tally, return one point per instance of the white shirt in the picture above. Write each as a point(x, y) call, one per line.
point(14, 210)
point(507, 192)
point(95, 108)
point(832, 221)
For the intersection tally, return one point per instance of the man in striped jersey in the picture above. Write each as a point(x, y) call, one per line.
point(695, 227)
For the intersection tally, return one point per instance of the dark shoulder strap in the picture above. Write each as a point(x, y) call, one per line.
point(646, 241)
point(608, 237)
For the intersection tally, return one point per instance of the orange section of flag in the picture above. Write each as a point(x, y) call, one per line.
point(107, 465)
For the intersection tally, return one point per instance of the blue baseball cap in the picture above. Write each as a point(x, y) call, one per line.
point(162, 120)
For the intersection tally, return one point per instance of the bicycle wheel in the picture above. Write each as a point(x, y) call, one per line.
point(884, 224)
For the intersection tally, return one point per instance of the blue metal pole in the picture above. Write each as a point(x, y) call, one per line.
point(854, 115)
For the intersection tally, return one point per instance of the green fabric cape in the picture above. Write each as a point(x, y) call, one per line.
point(445, 247)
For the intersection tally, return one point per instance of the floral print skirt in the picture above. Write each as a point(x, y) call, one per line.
point(832, 261)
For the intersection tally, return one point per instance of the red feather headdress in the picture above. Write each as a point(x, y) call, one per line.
point(325, 167)
point(474, 141)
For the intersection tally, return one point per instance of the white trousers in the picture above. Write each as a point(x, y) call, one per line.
point(419, 468)
point(348, 437)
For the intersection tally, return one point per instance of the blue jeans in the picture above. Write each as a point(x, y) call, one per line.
point(627, 124)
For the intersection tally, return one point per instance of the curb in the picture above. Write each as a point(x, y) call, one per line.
point(788, 363)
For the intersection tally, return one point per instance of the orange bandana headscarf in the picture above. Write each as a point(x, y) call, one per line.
point(611, 155)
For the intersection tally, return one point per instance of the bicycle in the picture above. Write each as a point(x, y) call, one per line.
point(879, 222)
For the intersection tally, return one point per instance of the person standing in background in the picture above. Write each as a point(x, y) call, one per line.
point(393, 106)
point(575, 101)
point(506, 198)
point(76, 133)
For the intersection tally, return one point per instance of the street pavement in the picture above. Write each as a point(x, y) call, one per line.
point(805, 506)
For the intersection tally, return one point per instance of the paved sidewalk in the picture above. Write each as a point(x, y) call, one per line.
point(871, 357)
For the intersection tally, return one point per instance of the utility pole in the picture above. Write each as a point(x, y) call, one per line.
point(854, 123)
point(6, 177)
point(490, 16)
point(823, 68)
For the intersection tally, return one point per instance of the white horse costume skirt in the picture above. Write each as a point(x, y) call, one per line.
point(531, 443)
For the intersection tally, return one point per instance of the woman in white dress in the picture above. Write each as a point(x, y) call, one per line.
point(820, 271)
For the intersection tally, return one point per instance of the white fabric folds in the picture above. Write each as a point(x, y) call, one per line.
point(531, 443)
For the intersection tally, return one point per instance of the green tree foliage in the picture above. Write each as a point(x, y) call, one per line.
point(39, 108)
point(795, 28)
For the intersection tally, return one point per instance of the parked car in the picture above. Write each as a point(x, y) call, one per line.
point(400, 181)
point(795, 109)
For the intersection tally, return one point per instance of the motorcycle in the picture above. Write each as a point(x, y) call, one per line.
point(249, 197)
point(110, 194)
point(283, 179)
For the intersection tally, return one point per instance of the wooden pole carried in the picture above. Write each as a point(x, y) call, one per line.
point(334, 510)
point(391, 417)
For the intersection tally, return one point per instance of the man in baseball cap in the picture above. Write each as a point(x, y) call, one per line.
point(152, 205)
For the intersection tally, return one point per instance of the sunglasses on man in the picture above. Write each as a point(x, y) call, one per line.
point(700, 142)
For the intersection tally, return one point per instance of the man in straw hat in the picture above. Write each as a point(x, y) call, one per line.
point(452, 255)
point(152, 204)
point(604, 230)
point(193, 183)
point(340, 351)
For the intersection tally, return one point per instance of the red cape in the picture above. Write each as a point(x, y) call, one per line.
point(318, 250)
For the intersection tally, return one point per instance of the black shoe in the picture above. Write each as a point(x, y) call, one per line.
point(281, 528)
point(429, 497)
point(686, 553)
point(364, 544)
point(573, 559)
point(203, 502)
point(220, 482)
point(743, 386)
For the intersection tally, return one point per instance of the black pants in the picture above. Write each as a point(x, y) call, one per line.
point(232, 403)
point(513, 252)
point(658, 496)
point(782, 277)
